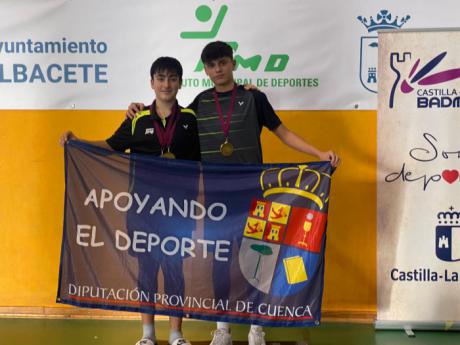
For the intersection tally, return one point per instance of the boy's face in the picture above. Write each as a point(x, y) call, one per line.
point(220, 71)
point(166, 85)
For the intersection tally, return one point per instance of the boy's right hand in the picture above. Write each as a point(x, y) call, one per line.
point(66, 137)
point(133, 109)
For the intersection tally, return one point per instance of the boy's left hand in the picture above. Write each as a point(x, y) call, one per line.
point(330, 156)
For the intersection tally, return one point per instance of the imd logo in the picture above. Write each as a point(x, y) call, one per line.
point(205, 15)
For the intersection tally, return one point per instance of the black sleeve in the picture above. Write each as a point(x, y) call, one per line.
point(196, 101)
point(194, 104)
point(121, 139)
point(196, 152)
point(265, 113)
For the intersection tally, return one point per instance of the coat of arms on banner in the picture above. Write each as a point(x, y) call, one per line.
point(448, 236)
point(369, 46)
point(281, 240)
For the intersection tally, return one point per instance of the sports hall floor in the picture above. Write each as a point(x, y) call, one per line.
point(117, 332)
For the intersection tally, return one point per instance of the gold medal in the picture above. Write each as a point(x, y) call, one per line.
point(226, 149)
point(168, 155)
point(165, 133)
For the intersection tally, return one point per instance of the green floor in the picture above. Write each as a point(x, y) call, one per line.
point(102, 332)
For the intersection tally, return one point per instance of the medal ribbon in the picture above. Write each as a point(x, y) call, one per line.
point(225, 123)
point(165, 134)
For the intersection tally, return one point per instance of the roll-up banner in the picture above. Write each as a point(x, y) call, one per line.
point(418, 179)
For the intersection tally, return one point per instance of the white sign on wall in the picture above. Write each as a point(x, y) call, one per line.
point(85, 54)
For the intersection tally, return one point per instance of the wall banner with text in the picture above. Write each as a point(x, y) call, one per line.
point(304, 54)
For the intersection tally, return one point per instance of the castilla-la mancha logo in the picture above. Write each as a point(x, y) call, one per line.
point(423, 79)
point(284, 234)
point(448, 236)
point(369, 45)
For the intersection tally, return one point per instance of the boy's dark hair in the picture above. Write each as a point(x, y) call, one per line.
point(216, 50)
point(166, 63)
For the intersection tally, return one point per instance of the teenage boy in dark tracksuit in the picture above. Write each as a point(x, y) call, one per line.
point(179, 140)
point(230, 120)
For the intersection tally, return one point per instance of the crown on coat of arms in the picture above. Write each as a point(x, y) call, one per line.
point(448, 217)
point(383, 21)
point(300, 181)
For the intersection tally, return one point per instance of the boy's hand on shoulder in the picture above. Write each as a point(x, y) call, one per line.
point(251, 87)
point(133, 109)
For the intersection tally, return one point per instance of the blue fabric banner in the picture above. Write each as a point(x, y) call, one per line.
point(237, 243)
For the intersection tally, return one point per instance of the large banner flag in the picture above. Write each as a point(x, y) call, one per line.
point(418, 179)
point(238, 243)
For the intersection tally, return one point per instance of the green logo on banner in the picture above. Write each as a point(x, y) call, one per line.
point(274, 63)
point(203, 14)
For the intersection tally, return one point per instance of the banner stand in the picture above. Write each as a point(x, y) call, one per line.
point(418, 178)
point(408, 326)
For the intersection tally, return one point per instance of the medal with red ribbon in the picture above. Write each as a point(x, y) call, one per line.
point(165, 133)
point(226, 149)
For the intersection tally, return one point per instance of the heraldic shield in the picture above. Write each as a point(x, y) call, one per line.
point(285, 230)
point(448, 236)
point(368, 62)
